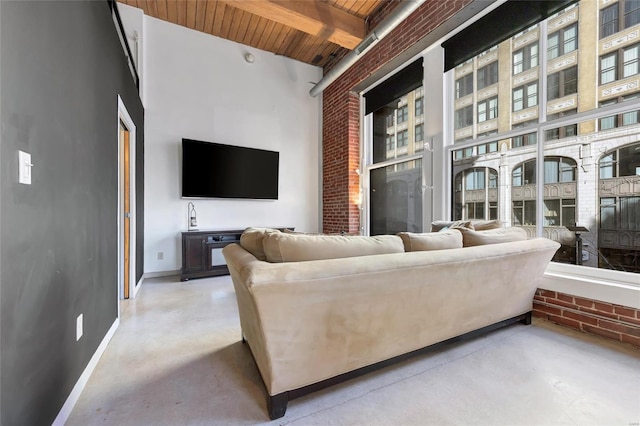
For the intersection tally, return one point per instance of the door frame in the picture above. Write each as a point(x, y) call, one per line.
point(123, 115)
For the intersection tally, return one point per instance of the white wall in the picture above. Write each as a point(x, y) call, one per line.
point(200, 87)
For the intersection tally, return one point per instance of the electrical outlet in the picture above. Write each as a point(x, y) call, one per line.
point(79, 326)
point(160, 255)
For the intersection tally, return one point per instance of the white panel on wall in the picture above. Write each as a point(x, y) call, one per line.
point(200, 87)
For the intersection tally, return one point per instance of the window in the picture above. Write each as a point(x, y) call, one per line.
point(524, 212)
point(631, 13)
point(473, 188)
point(389, 120)
point(488, 75)
point(616, 18)
point(464, 86)
point(560, 169)
point(559, 212)
point(403, 114)
point(524, 174)
point(524, 140)
point(626, 119)
point(562, 132)
point(487, 148)
point(562, 42)
point(403, 138)
point(609, 20)
point(525, 96)
point(630, 64)
point(612, 70)
point(464, 117)
point(474, 179)
point(419, 134)
point(488, 109)
point(562, 83)
point(419, 106)
point(525, 58)
point(391, 142)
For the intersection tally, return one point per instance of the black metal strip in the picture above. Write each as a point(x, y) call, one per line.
point(114, 9)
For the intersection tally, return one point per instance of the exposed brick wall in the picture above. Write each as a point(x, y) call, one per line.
point(615, 322)
point(341, 109)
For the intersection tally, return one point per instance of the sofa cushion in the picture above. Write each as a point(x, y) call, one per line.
point(440, 225)
point(252, 238)
point(281, 247)
point(448, 239)
point(485, 225)
point(492, 236)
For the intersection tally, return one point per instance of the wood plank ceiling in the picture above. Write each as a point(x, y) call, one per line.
point(311, 31)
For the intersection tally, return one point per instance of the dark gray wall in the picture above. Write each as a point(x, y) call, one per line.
point(62, 67)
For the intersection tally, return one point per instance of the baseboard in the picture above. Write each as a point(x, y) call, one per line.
point(73, 397)
point(161, 274)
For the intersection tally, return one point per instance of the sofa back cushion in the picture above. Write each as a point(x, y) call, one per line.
point(448, 239)
point(252, 238)
point(281, 247)
point(492, 236)
point(441, 225)
point(485, 225)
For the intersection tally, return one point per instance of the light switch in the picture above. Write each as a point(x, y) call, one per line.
point(24, 167)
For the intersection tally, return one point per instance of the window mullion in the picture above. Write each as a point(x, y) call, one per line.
point(541, 134)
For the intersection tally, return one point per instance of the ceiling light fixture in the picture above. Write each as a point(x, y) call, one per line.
point(249, 58)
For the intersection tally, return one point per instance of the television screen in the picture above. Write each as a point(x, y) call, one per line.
point(212, 170)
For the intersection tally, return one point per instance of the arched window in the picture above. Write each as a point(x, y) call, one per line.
point(559, 208)
point(476, 194)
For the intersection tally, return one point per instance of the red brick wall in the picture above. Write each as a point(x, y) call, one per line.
point(615, 322)
point(341, 109)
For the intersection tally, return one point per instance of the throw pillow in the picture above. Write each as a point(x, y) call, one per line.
point(252, 238)
point(442, 240)
point(281, 247)
point(492, 236)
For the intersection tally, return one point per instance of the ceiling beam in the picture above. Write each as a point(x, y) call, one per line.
point(312, 17)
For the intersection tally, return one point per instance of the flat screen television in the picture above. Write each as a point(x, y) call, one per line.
point(213, 170)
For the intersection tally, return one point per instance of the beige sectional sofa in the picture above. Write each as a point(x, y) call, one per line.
point(317, 309)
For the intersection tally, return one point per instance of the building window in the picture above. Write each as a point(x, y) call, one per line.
point(403, 138)
point(559, 212)
point(626, 119)
point(389, 120)
point(464, 117)
point(525, 58)
point(562, 42)
point(609, 20)
point(559, 170)
point(487, 109)
point(524, 140)
point(631, 13)
point(488, 75)
point(611, 17)
point(419, 134)
point(524, 174)
point(487, 148)
point(474, 179)
point(612, 70)
point(419, 102)
point(630, 61)
point(562, 83)
point(525, 96)
point(562, 132)
point(391, 142)
point(464, 86)
point(524, 212)
point(629, 160)
point(403, 114)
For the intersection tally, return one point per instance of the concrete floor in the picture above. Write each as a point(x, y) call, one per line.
point(177, 359)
